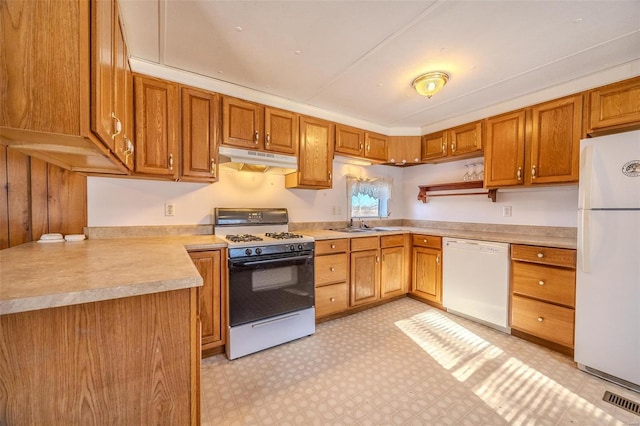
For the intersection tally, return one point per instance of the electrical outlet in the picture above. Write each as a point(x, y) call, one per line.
point(169, 209)
point(506, 211)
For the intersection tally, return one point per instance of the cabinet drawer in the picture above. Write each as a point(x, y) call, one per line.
point(544, 255)
point(550, 322)
point(427, 241)
point(331, 268)
point(392, 241)
point(544, 282)
point(365, 243)
point(331, 299)
point(332, 246)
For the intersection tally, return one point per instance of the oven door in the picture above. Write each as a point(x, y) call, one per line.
point(267, 286)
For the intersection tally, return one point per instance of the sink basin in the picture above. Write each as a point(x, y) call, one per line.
point(350, 230)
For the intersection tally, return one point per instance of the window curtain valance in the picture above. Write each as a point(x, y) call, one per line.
point(373, 187)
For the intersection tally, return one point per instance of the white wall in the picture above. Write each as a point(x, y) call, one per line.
point(134, 202)
point(545, 206)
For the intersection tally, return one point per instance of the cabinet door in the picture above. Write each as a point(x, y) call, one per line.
point(555, 141)
point(102, 40)
point(129, 128)
point(281, 131)
point(504, 150)
point(241, 123)
point(427, 274)
point(120, 90)
point(392, 272)
point(464, 140)
point(404, 150)
point(349, 140)
point(199, 133)
point(208, 264)
point(365, 277)
point(615, 105)
point(375, 146)
point(434, 146)
point(156, 118)
point(315, 159)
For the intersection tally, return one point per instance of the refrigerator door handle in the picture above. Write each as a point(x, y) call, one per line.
point(586, 170)
point(583, 242)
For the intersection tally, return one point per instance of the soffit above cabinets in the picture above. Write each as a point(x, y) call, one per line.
point(358, 58)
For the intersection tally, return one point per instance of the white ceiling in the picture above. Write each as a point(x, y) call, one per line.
point(358, 58)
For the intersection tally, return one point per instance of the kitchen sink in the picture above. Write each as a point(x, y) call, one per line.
point(359, 230)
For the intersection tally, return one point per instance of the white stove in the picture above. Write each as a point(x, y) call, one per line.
point(271, 279)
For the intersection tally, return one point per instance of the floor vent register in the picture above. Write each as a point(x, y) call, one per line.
point(624, 403)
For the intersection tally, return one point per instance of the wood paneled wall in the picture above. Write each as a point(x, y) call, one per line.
point(37, 198)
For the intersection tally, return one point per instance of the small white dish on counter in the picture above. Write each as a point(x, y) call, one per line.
point(75, 237)
point(51, 238)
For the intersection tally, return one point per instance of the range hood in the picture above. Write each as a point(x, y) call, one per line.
point(257, 161)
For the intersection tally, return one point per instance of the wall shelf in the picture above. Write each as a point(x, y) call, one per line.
point(454, 186)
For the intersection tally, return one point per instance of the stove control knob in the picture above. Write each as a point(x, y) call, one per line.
point(258, 250)
point(247, 252)
point(292, 247)
point(299, 246)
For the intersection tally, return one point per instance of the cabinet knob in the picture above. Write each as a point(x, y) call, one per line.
point(444, 147)
point(424, 241)
point(268, 138)
point(392, 160)
point(533, 172)
point(329, 175)
point(437, 259)
point(540, 319)
point(416, 160)
point(332, 299)
point(368, 147)
point(519, 173)
point(361, 146)
point(333, 246)
point(170, 161)
point(332, 269)
point(453, 147)
point(540, 255)
point(540, 282)
point(377, 259)
point(256, 137)
point(212, 167)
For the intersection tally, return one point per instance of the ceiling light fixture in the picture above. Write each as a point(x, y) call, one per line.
point(430, 83)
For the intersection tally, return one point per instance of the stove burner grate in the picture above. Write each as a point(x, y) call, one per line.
point(282, 235)
point(242, 238)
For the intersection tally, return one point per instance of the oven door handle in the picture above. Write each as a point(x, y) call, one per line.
point(261, 262)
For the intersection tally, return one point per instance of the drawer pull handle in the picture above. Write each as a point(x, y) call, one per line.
point(332, 269)
point(540, 255)
point(333, 299)
point(540, 319)
point(540, 282)
point(333, 246)
point(424, 241)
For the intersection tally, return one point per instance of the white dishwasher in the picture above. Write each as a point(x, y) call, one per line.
point(475, 281)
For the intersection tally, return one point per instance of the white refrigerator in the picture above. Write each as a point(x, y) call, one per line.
point(607, 333)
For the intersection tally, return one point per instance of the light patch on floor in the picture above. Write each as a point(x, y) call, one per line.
point(406, 363)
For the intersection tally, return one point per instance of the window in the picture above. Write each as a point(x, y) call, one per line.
point(368, 198)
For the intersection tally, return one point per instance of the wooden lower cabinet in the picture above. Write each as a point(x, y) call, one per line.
point(394, 272)
point(331, 271)
point(212, 267)
point(543, 295)
point(427, 269)
point(365, 277)
point(132, 361)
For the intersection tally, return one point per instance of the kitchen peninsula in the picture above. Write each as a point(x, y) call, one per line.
point(100, 331)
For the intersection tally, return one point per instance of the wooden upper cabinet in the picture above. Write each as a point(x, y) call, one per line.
point(242, 123)
point(504, 149)
point(404, 150)
point(465, 140)
point(281, 131)
point(315, 157)
point(200, 115)
point(375, 146)
point(556, 130)
point(434, 146)
point(129, 126)
point(349, 140)
point(156, 122)
point(615, 106)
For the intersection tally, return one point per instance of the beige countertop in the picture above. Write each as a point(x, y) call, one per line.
point(38, 276)
point(512, 238)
